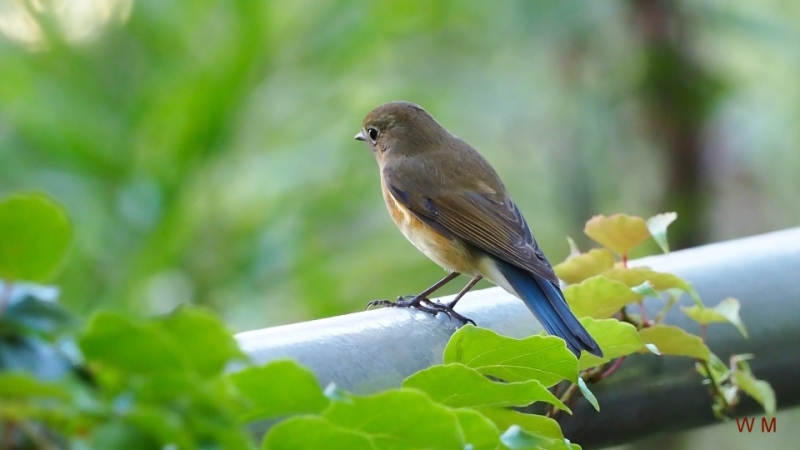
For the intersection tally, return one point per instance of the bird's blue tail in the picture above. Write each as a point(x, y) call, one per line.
point(547, 303)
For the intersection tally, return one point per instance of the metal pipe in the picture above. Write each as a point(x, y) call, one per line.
point(373, 350)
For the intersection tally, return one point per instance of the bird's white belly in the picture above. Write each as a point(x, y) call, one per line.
point(490, 271)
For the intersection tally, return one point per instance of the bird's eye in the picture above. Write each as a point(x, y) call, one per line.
point(373, 134)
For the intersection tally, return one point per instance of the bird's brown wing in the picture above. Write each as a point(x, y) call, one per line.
point(490, 222)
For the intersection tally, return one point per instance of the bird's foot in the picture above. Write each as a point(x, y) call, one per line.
point(423, 304)
point(406, 301)
point(447, 308)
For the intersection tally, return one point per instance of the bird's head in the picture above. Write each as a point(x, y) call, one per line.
point(400, 129)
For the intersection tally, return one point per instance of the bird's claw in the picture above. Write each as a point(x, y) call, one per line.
point(447, 308)
point(422, 304)
point(405, 301)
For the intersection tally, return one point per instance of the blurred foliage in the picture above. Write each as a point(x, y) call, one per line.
point(181, 381)
point(204, 149)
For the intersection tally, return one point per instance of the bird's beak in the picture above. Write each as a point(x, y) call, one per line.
point(360, 136)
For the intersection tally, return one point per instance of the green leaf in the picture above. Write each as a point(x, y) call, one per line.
point(588, 394)
point(334, 394)
point(312, 432)
point(189, 339)
point(118, 341)
point(672, 340)
point(534, 423)
point(760, 390)
point(599, 297)
point(657, 225)
point(278, 389)
point(614, 337)
point(543, 358)
point(578, 268)
point(672, 298)
point(31, 353)
point(726, 311)
point(637, 275)
point(459, 386)
point(478, 432)
point(398, 419)
point(32, 308)
point(646, 290)
point(517, 438)
point(719, 370)
point(205, 342)
point(23, 385)
point(35, 235)
point(162, 424)
point(118, 434)
point(652, 349)
point(573, 248)
point(619, 233)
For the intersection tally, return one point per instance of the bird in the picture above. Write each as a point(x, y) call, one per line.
point(451, 204)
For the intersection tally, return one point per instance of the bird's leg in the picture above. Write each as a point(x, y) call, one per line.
point(448, 307)
point(466, 289)
point(415, 301)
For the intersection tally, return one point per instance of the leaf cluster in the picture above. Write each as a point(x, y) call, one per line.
point(181, 381)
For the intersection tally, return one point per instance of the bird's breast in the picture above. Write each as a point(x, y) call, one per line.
point(449, 253)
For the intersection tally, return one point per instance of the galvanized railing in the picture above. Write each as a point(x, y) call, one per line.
point(368, 351)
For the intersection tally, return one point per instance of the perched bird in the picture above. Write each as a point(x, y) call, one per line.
point(450, 203)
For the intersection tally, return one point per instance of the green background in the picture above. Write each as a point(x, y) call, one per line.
point(204, 150)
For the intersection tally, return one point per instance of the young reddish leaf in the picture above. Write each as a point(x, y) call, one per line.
point(726, 311)
point(599, 297)
point(619, 233)
point(615, 338)
point(658, 228)
point(672, 340)
point(636, 276)
point(578, 268)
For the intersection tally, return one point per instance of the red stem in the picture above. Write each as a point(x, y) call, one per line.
point(612, 369)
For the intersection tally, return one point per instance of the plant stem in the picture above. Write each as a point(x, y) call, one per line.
point(565, 398)
point(8, 435)
point(39, 439)
point(612, 369)
point(643, 311)
point(716, 391)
